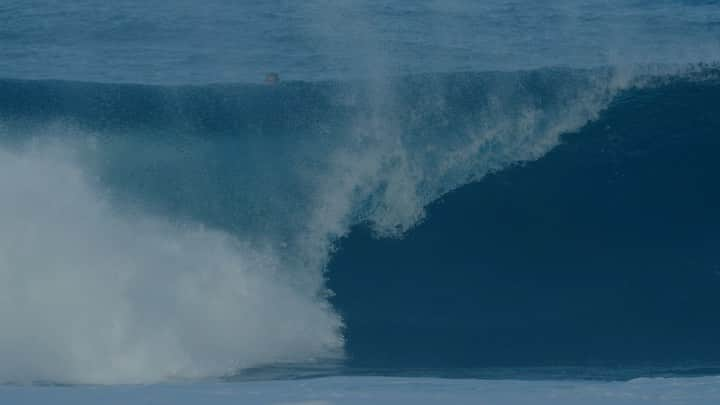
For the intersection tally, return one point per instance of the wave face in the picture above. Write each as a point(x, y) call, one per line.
point(603, 254)
point(179, 232)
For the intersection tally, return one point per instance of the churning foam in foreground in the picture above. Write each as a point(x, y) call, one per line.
point(91, 295)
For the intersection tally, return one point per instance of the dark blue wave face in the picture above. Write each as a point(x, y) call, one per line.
point(606, 251)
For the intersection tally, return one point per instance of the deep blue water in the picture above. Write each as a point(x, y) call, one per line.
point(603, 252)
point(434, 188)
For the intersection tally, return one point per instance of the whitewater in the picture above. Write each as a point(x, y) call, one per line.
point(441, 202)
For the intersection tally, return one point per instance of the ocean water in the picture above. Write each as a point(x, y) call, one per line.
point(441, 201)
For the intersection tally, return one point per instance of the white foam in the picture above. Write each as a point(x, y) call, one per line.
point(91, 295)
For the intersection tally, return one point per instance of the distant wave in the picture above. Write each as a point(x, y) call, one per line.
point(179, 232)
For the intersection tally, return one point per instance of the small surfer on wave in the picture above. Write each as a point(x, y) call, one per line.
point(272, 78)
